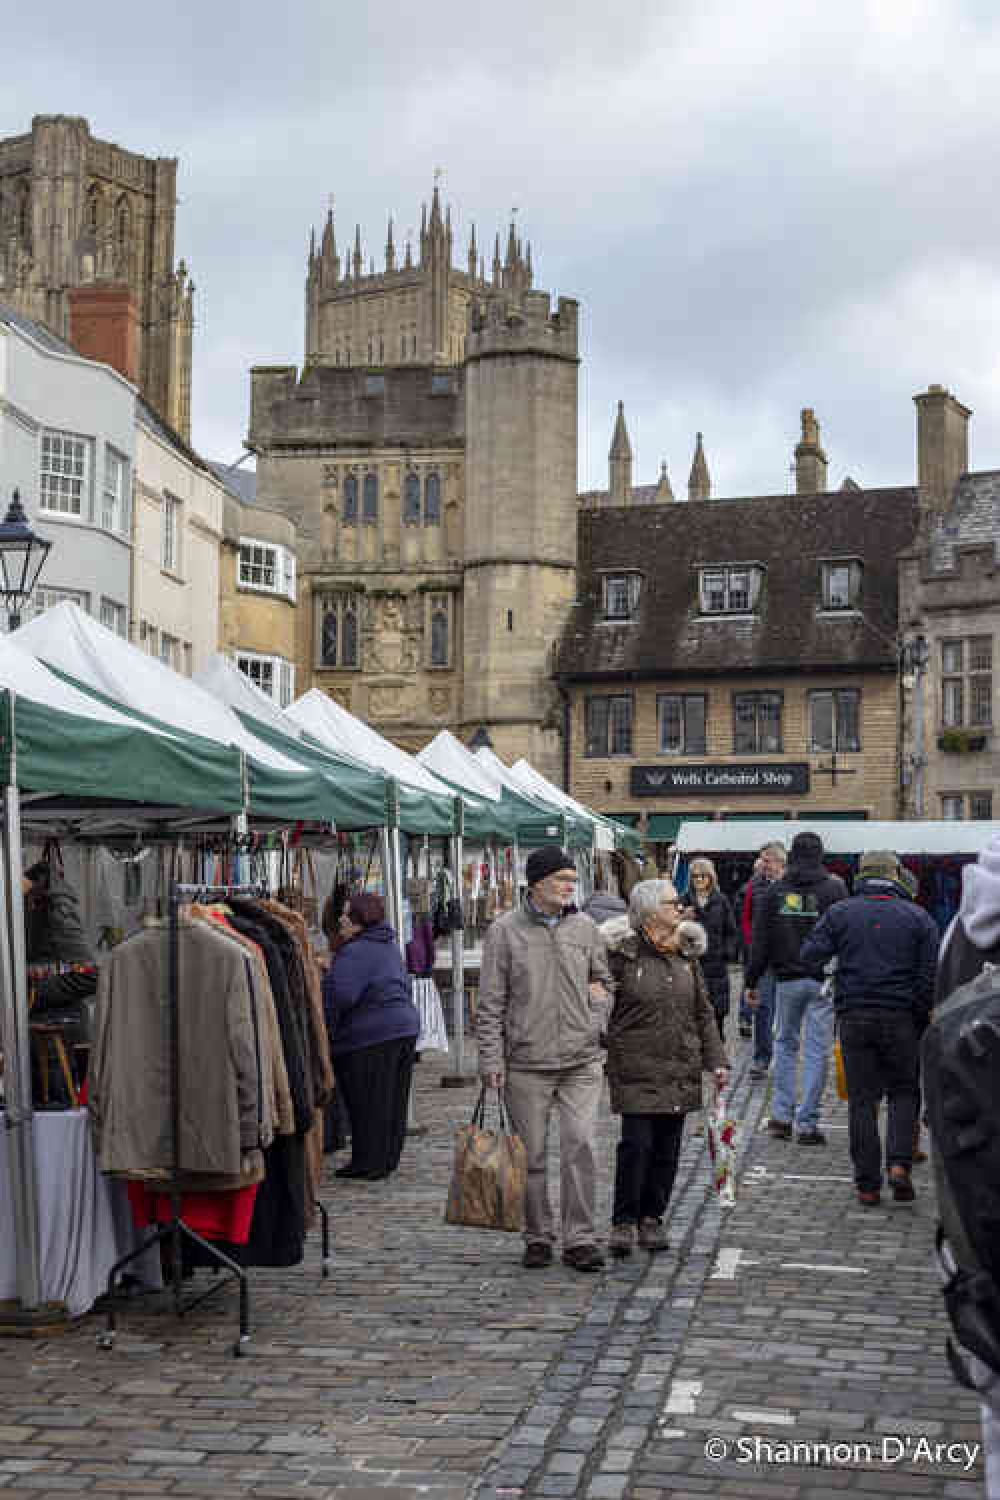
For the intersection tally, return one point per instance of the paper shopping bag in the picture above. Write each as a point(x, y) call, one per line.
point(721, 1133)
point(838, 1070)
point(489, 1175)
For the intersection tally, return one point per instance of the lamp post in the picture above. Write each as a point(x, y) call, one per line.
point(22, 557)
point(915, 657)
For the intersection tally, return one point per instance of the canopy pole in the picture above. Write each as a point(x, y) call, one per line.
point(17, 1049)
point(458, 1077)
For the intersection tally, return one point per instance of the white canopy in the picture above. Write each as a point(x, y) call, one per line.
point(333, 726)
point(446, 756)
point(28, 678)
point(850, 836)
point(73, 642)
point(534, 781)
point(224, 681)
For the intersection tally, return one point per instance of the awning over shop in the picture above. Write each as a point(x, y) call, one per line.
point(661, 828)
point(729, 837)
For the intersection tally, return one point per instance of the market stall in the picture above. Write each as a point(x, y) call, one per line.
point(936, 852)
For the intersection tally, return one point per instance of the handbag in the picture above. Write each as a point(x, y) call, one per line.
point(490, 1173)
point(721, 1133)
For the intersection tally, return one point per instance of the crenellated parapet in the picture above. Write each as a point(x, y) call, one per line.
point(523, 324)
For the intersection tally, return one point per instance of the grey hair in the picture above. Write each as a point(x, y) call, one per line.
point(777, 848)
point(705, 867)
point(645, 897)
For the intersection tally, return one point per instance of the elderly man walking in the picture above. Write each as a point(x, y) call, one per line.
point(886, 951)
point(544, 995)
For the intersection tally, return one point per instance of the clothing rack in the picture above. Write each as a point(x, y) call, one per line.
point(176, 1231)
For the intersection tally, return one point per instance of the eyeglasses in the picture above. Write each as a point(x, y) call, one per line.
point(672, 903)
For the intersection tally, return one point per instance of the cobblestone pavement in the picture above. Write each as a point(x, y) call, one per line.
point(430, 1364)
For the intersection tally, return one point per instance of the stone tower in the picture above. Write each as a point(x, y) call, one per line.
point(699, 483)
point(520, 518)
point(76, 212)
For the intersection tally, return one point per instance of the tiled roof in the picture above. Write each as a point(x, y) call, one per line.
point(973, 519)
point(37, 331)
point(240, 482)
point(789, 535)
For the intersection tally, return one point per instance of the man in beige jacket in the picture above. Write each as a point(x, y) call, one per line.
point(543, 998)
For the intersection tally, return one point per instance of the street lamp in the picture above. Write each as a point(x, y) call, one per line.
point(22, 557)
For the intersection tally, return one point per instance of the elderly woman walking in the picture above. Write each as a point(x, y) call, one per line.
point(662, 1036)
point(713, 911)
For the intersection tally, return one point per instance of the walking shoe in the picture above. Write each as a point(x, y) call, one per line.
point(652, 1236)
point(584, 1258)
point(780, 1128)
point(537, 1255)
point(869, 1198)
point(757, 1072)
point(902, 1187)
point(811, 1138)
point(622, 1239)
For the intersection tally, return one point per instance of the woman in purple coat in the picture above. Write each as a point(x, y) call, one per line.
point(373, 1026)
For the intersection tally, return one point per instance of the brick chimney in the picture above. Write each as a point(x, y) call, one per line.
point(810, 460)
point(104, 325)
point(942, 447)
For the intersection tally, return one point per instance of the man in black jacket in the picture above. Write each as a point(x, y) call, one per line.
point(786, 914)
point(886, 951)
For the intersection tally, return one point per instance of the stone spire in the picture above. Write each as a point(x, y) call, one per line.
point(496, 261)
point(423, 234)
point(390, 248)
point(312, 248)
point(664, 494)
point(329, 259)
point(356, 259)
point(528, 272)
point(512, 253)
point(408, 258)
point(810, 460)
point(620, 462)
point(473, 254)
point(699, 484)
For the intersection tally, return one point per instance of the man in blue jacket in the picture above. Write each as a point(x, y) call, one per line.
point(886, 951)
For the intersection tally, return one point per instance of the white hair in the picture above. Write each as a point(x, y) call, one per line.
point(645, 897)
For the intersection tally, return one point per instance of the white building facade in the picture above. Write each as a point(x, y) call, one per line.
point(67, 445)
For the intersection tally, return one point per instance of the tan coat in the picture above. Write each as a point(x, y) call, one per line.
point(535, 1008)
point(662, 1034)
point(129, 1094)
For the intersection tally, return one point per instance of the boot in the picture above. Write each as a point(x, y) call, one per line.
point(621, 1241)
point(652, 1236)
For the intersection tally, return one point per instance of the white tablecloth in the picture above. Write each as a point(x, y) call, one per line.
point(84, 1219)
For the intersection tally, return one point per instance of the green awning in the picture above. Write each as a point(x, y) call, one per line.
point(661, 828)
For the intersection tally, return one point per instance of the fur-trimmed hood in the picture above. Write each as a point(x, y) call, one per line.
point(619, 935)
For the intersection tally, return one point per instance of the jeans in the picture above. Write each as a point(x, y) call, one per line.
point(763, 1021)
point(801, 1008)
point(879, 1045)
point(645, 1166)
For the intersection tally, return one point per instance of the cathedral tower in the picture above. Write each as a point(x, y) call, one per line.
point(520, 518)
point(79, 212)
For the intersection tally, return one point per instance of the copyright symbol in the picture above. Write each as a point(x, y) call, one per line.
point(716, 1449)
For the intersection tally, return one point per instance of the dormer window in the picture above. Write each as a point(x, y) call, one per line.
point(621, 595)
point(841, 583)
point(730, 590)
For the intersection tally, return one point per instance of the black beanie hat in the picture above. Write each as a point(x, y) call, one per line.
point(546, 861)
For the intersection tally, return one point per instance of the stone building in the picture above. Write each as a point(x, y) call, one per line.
point(735, 656)
point(427, 456)
point(80, 213)
point(950, 618)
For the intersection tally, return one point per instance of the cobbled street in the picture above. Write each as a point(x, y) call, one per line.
point(791, 1347)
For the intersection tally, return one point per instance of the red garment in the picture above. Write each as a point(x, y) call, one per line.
point(746, 915)
point(216, 1216)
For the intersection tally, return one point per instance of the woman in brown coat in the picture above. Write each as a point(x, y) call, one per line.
point(662, 1036)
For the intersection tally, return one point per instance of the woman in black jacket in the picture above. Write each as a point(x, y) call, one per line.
point(713, 911)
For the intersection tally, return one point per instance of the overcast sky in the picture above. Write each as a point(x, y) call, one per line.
point(760, 204)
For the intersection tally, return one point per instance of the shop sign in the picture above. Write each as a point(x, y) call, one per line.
point(752, 778)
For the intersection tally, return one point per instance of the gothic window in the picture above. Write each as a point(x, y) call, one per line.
point(24, 213)
point(122, 223)
point(350, 500)
point(439, 633)
point(369, 499)
point(338, 631)
point(413, 346)
point(402, 346)
point(381, 351)
point(328, 643)
point(369, 351)
point(432, 500)
point(411, 500)
point(93, 212)
point(349, 649)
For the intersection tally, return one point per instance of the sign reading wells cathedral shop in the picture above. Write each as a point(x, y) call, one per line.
point(750, 778)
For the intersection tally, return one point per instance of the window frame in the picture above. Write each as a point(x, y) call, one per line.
point(835, 696)
point(605, 750)
point(854, 568)
point(748, 596)
point(683, 747)
point(119, 506)
point(345, 608)
point(113, 616)
point(281, 674)
point(281, 567)
point(966, 682)
point(369, 498)
point(758, 698)
point(412, 490)
point(432, 498)
point(170, 534)
point(71, 484)
point(47, 597)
